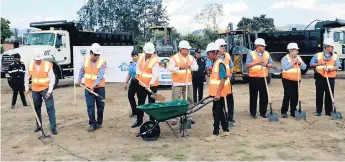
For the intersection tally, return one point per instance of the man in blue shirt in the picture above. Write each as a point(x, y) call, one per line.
point(230, 97)
point(326, 62)
point(292, 66)
point(218, 103)
point(258, 62)
point(95, 52)
point(133, 86)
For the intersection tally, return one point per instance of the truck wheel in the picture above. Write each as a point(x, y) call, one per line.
point(269, 77)
point(57, 76)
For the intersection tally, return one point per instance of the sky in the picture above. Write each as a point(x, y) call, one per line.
point(182, 12)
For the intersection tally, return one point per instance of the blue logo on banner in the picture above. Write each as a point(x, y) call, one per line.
point(123, 66)
point(166, 76)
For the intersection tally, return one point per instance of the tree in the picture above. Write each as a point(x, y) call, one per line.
point(16, 33)
point(210, 15)
point(260, 24)
point(5, 29)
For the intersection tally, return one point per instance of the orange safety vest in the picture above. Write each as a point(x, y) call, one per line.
point(227, 60)
point(180, 75)
point(256, 71)
point(214, 82)
point(330, 64)
point(90, 73)
point(292, 73)
point(145, 73)
point(40, 79)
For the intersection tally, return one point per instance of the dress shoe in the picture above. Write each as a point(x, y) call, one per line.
point(37, 129)
point(54, 131)
point(91, 128)
point(137, 124)
point(318, 114)
point(284, 116)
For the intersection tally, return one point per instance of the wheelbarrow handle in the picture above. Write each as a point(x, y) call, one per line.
point(200, 105)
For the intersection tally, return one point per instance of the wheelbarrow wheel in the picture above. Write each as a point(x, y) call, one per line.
point(152, 135)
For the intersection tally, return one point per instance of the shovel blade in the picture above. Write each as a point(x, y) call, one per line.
point(273, 117)
point(299, 115)
point(336, 116)
point(45, 138)
point(158, 97)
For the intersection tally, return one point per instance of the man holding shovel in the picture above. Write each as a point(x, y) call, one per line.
point(93, 70)
point(218, 88)
point(292, 65)
point(258, 62)
point(326, 64)
point(147, 70)
point(181, 65)
point(42, 85)
point(222, 54)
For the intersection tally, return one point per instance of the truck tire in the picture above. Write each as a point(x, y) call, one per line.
point(269, 78)
point(57, 76)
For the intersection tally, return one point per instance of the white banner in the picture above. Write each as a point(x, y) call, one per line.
point(117, 58)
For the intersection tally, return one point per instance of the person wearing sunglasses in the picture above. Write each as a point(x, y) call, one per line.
point(225, 56)
point(292, 65)
point(258, 62)
point(325, 62)
point(93, 70)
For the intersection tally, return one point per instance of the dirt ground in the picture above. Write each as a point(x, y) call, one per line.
point(318, 138)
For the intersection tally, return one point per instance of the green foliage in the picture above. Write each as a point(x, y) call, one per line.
point(139, 42)
point(5, 29)
point(2, 49)
point(260, 24)
point(201, 41)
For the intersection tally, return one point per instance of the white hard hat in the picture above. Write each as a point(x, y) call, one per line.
point(184, 44)
point(149, 48)
point(96, 48)
point(260, 41)
point(292, 46)
point(38, 54)
point(211, 47)
point(220, 42)
point(329, 42)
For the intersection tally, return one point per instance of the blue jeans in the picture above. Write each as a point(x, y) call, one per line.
point(90, 103)
point(37, 97)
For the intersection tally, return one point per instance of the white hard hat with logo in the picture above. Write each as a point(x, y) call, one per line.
point(260, 41)
point(328, 42)
point(220, 42)
point(184, 44)
point(292, 46)
point(38, 55)
point(96, 48)
point(211, 47)
point(149, 48)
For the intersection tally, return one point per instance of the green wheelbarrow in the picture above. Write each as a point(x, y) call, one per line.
point(162, 112)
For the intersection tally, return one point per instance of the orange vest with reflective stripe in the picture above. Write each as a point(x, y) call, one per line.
point(180, 75)
point(215, 81)
point(145, 73)
point(256, 71)
point(330, 64)
point(227, 60)
point(40, 80)
point(91, 72)
point(292, 73)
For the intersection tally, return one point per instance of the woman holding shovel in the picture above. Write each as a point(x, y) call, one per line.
point(292, 65)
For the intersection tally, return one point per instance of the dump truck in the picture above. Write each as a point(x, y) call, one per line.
point(56, 39)
point(165, 47)
point(310, 42)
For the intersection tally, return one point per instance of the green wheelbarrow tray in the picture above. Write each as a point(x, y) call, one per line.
point(165, 110)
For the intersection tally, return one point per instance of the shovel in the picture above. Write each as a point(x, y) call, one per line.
point(103, 100)
point(272, 116)
point(299, 114)
point(335, 115)
point(44, 138)
point(156, 96)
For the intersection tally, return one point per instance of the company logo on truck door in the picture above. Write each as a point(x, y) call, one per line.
point(48, 52)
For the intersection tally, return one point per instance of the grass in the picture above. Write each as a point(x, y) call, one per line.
point(141, 157)
point(247, 157)
point(174, 156)
point(284, 155)
point(275, 145)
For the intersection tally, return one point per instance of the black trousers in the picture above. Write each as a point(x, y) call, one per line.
point(18, 88)
point(219, 116)
point(323, 91)
point(132, 90)
point(257, 85)
point(198, 90)
point(230, 103)
point(142, 95)
point(290, 96)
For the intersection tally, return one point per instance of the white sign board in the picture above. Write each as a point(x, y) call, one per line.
point(117, 58)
